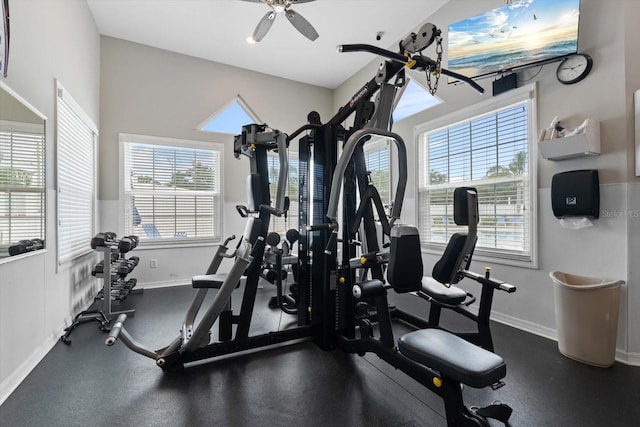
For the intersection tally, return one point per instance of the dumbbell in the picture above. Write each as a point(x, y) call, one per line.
point(135, 239)
point(24, 246)
point(98, 269)
point(126, 244)
point(132, 262)
point(101, 240)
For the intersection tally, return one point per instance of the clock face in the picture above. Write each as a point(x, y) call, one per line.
point(574, 68)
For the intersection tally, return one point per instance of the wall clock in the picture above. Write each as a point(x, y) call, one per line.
point(574, 68)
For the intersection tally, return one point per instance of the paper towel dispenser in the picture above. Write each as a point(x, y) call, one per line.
point(576, 193)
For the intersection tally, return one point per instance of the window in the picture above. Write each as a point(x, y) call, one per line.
point(489, 151)
point(171, 189)
point(414, 99)
point(376, 155)
point(76, 158)
point(281, 224)
point(21, 182)
point(230, 118)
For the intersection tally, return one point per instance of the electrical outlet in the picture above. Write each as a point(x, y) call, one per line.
point(153, 263)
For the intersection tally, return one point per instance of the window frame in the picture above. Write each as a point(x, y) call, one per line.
point(527, 94)
point(222, 110)
point(434, 102)
point(171, 242)
point(32, 130)
point(84, 247)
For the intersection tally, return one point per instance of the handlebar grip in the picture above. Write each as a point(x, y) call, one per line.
point(318, 227)
point(228, 239)
point(507, 288)
point(331, 243)
point(274, 211)
point(115, 330)
point(358, 47)
point(242, 210)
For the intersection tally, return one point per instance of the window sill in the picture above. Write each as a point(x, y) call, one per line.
point(8, 259)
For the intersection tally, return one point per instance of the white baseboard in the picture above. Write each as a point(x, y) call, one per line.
point(11, 383)
point(632, 359)
point(524, 325)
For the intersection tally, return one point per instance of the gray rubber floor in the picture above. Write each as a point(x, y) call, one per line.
point(89, 384)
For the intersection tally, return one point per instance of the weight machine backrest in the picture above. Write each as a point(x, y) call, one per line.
point(405, 259)
point(457, 254)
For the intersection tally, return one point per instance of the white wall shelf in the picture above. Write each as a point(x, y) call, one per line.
point(583, 144)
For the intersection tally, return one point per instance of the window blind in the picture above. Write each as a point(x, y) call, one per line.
point(22, 203)
point(489, 152)
point(281, 224)
point(171, 190)
point(377, 158)
point(76, 167)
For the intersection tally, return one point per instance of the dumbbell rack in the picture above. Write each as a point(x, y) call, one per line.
point(107, 275)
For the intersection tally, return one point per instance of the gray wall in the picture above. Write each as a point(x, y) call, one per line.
point(49, 40)
point(609, 35)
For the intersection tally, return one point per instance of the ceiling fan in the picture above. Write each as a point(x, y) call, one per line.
point(282, 7)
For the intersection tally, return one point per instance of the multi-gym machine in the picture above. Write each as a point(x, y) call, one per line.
point(195, 339)
point(335, 303)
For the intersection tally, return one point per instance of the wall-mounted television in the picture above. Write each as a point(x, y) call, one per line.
point(520, 34)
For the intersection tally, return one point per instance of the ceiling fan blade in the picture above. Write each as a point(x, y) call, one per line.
point(264, 26)
point(301, 24)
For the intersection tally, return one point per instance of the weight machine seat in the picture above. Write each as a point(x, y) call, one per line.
point(453, 357)
point(211, 281)
point(451, 295)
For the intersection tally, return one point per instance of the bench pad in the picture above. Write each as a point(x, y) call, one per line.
point(453, 357)
point(451, 295)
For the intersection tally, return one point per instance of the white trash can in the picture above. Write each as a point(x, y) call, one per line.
point(587, 317)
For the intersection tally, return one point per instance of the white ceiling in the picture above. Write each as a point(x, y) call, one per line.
point(217, 30)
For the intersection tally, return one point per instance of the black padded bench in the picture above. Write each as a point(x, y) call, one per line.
point(453, 357)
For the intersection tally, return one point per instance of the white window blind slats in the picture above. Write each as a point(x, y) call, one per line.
point(281, 224)
point(171, 192)
point(21, 184)
point(76, 179)
point(377, 160)
point(490, 153)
